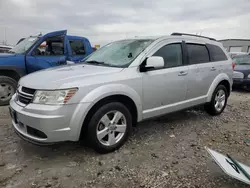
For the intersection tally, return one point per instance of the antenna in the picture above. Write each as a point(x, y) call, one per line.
point(5, 41)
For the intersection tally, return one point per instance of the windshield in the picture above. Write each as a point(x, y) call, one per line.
point(242, 60)
point(24, 45)
point(118, 54)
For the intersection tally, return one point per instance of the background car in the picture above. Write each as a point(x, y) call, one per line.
point(5, 48)
point(39, 52)
point(241, 77)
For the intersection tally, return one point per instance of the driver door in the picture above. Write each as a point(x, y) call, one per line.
point(164, 90)
point(49, 51)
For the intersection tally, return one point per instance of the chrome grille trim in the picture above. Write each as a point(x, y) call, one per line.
point(23, 97)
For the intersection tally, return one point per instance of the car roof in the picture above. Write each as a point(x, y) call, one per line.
point(70, 37)
point(184, 37)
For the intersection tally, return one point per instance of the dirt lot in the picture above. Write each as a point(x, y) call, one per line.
point(165, 152)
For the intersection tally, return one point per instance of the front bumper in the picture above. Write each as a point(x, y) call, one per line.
point(47, 124)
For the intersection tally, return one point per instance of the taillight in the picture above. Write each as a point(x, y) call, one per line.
point(233, 65)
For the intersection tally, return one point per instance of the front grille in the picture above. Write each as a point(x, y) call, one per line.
point(25, 95)
point(28, 90)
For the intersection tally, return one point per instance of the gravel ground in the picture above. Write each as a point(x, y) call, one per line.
point(164, 152)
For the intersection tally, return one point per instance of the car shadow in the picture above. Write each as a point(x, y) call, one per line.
point(141, 131)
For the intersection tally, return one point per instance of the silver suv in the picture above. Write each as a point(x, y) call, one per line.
point(119, 85)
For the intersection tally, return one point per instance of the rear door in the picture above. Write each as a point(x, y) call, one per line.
point(202, 71)
point(49, 51)
point(77, 49)
point(219, 59)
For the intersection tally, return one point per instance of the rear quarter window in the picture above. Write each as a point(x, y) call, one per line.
point(216, 53)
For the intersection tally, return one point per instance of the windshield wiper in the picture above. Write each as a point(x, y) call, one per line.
point(95, 62)
point(101, 63)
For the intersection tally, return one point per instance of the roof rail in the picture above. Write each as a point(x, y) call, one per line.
point(180, 34)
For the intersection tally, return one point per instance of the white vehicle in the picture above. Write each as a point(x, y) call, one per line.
point(5, 48)
point(119, 85)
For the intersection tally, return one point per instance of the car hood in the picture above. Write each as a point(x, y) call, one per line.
point(4, 55)
point(242, 67)
point(54, 78)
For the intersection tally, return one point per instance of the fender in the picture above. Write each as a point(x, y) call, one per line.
point(13, 62)
point(20, 71)
point(96, 95)
point(114, 89)
point(215, 83)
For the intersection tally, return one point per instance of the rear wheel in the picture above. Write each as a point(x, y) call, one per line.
point(109, 127)
point(7, 89)
point(218, 101)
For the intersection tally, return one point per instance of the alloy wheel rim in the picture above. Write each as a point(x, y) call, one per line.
point(111, 128)
point(220, 100)
point(6, 91)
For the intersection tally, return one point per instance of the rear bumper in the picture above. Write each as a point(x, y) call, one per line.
point(241, 82)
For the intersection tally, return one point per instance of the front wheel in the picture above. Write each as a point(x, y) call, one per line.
point(218, 101)
point(7, 89)
point(109, 127)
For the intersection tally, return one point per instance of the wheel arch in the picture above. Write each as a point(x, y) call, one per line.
point(112, 93)
point(220, 79)
point(10, 73)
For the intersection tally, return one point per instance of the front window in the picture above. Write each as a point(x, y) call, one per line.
point(172, 55)
point(53, 46)
point(118, 54)
point(24, 45)
point(242, 60)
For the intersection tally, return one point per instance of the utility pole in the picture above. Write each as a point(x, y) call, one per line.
point(5, 42)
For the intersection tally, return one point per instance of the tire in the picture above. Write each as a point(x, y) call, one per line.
point(100, 125)
point(211, 106)
point(7, 89)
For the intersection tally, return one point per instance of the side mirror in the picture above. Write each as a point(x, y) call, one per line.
point(154, 62)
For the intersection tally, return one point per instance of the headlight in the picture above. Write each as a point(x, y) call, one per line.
point(54, 97)
point(249, 76)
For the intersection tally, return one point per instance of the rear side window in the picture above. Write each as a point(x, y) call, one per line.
point(216, 53)
point(77, 47)
point(172, 55)
point(197, 53)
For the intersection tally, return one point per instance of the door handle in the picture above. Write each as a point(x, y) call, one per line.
point(213, 69)
point(182, 73)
